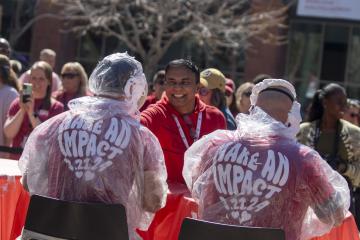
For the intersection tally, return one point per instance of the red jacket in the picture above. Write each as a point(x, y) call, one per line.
point(159, 119)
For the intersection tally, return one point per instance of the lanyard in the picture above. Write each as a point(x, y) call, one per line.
point(181, 131)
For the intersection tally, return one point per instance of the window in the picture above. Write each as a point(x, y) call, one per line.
point(353, 68)
point(334, 52)
point(323, 52)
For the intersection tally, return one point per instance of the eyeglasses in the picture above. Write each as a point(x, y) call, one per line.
point(69, 75)
point(247, 94)
point(173, 84)
point(203, 91)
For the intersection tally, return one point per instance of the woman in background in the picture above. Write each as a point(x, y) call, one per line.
point(230, 96)
point(242, 97)
point(27, 113)
point(352, 111)
point(74, 83)
point(336, 140)
point(8, 92)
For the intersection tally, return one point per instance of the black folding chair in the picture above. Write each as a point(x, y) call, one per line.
point(192, 229)
point(49, 218)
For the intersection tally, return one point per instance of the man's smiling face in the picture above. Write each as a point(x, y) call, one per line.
point(180, 88)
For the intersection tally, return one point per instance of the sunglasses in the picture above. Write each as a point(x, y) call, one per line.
point(203, 91)
point(69, 75)
point(247, 94)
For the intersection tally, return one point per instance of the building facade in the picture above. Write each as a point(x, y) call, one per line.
point(323, 45)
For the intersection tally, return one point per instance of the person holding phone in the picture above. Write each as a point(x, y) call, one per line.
point(26, 112)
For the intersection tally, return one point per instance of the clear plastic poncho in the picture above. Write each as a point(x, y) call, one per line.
point(98, 152)
point(258, 175)
point(119, 74)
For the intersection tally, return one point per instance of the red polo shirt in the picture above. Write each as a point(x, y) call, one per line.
point(159, 119)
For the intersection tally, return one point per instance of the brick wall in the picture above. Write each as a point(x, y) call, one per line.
point(265, 58)
point(47, 33)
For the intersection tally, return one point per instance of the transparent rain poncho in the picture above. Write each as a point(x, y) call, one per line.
point(98, 152)
point(120, 75)
point(259, 175)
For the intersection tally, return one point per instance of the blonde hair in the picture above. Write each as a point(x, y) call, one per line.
point(240, 90)
point(79, 69)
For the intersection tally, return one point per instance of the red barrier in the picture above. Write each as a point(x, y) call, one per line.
point(166, 225)
point(14, 202)
point(20, 214)
point(167, 222)
point(346, 231)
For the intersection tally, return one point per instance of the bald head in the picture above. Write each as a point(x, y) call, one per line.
point(276, 104)
point(49, 56)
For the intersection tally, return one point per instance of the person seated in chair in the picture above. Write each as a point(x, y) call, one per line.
point(260, 176)
point(98, 151)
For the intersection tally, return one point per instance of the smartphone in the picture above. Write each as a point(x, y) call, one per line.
point(27, 89)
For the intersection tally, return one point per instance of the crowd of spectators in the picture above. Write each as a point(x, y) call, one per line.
point(224, 144)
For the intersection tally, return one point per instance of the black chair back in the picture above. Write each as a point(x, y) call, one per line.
point(192, 229)
point(13, 150)
point(74, 220)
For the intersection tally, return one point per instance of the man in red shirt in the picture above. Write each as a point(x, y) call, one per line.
point(260, 176)
point(180, 118)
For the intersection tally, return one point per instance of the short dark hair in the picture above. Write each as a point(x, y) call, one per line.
point(260, 77)
point(184, 63)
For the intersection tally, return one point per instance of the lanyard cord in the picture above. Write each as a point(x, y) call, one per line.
point(181, 131)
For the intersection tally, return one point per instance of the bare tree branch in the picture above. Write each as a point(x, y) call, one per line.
point(29, 24)
point(150, 27)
